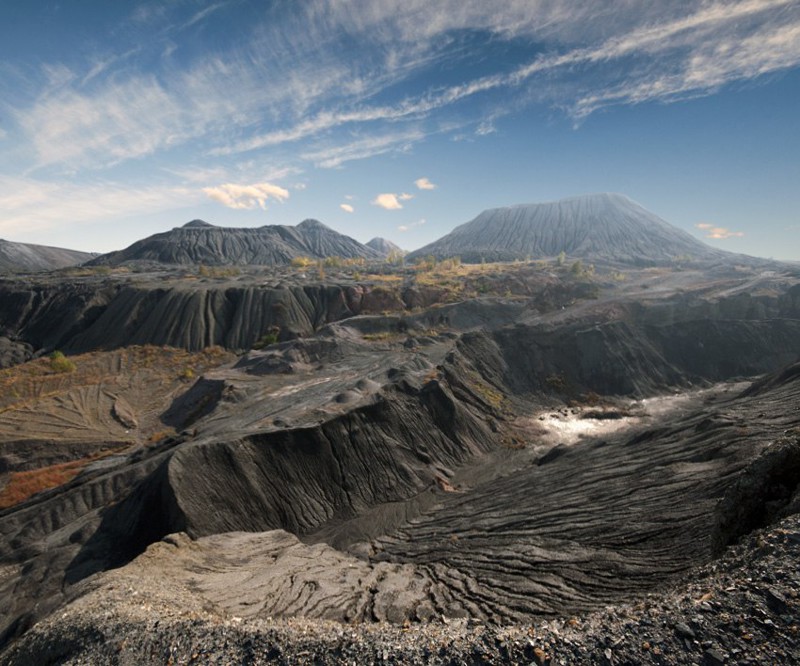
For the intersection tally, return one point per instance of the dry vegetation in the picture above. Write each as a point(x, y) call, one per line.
point(22, 485)
point(49, 376)
point(69, 402)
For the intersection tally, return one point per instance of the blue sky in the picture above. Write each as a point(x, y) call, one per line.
point(402, 120)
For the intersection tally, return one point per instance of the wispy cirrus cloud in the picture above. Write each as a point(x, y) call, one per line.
point(246, 197)
point(718, 233)
point(337, 153)
point(235, 104)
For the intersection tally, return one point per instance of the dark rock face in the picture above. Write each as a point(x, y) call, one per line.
point(384, 247)
point(607, 227)
point(18, 257)
point(77, 318)
point(199, 242)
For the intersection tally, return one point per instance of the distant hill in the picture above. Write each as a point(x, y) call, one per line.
point(15, 257)
point(384, 247)
point(608, 227)
point(199, 242)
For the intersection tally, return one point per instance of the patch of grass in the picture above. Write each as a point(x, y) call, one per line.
point(379, 337)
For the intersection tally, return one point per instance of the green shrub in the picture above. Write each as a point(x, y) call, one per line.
point(60, 363)
point(269, 338)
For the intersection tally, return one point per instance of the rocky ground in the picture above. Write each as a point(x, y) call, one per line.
point(387, 486)
point(741, 609)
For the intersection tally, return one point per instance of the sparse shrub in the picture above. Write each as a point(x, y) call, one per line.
point(562, 258)
point(186, 374)
point(60, 363)
point(302, 262)
point(269, 338)
point(556, 382)
point(449, 264)
point(426, 264)
point(158, 436)
point(592, 399)
point(396, 258)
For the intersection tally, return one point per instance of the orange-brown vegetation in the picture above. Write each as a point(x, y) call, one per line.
point(22, 485)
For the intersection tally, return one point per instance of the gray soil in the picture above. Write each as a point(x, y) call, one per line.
point(400, 488)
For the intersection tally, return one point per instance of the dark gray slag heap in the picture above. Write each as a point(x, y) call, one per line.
point(199, 242)
point(595, 227)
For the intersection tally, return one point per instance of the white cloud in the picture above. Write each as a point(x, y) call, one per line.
point(718, 233)
point(424, 184)
point(387, 200)
point(413, 225)
point(347, 208)
point(405, 196)
point(246, 197)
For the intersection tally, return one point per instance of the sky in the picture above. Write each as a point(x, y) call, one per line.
point(396, 119)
